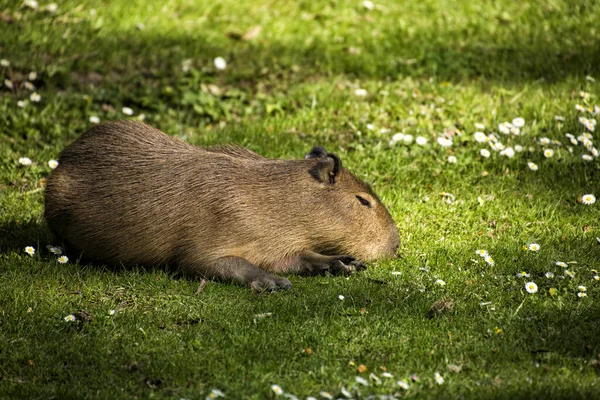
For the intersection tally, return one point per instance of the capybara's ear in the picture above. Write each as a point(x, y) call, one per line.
point(328, 169)
point(317, 152)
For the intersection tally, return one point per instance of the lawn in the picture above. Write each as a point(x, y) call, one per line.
point(364, 80)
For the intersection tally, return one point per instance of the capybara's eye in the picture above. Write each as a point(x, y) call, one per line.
point(364, 201)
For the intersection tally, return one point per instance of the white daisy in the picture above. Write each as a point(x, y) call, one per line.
point(505, 127)
point(508, 152)
point(53, 164)
point(531, 287)
point(559, 118)
point(452, 160)
point(518, 122)
point(570, 274)
point(63, 259)
point(341, 297)
point(588, 199)
point(32, 76)
point(360, 92)
point(480, 137)
point(522, 274)
point(480, 126)
point(548, 153)
point(28, 85)
point(387, 375)
point(111, 312)
point(444, 142)
point(581, 294)
point(484, 153)
point(561, 264)
point(25, 161)
point(4, 63)
point(489, 260)
point(9, 84)
point(518, 148)
point(534, 247)
point(368, 5)
point(581, 288)
point(35, 97)
point(326, 395)
point(587, 157)
point(52, 7)
point(21, 103)
point(362, 381)
point(403, 385)
point(482, 252)
point(579, 107)
point(94, 119)
point(544, 141)
point(70, 318)
point(439, 379)
point(127, 111)
point(30, 250)
point(220, 63)
point(440, 282)
point(407, 139)
point(549, 275)
point(277, 389)
point(532, 166)
point(421, 141)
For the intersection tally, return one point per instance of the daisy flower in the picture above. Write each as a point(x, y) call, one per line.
point(596, 277)
point(581, 288)
point(52, 7)
point(581, 294)
point(532, 166)
point(570, 274)
point(341, 297)
point(559, 118)
point(54, 250)
point(403, 385)
point(518, 148)
point(587, 157)
point(522, 274)
point(111, 312)
point(549, 275)
point(94, 119)
point(4, 63)
point(21, 103)
point(127, 111)
point(70, 318)
point(534, 247)
point(508, 152)
point(561, 264)
point(444, 142)
point(387, 375)
point(35, 97)
point(396, 273)
point(30, 250)
point(25, 161)
point(63, 259)
point(440, 282)
point(579, 107)
point(439, 379)
point(360, 92)
point(326, 395)
point(9, 84)
point(548, 153)
point(518, 122)
point(480, 137)
point(398, 137)
point(407, 139)
point(368, 5)
point(482, 252)
point(452, 160)
point(362, 381)
point(588, 199)
point(484, 153)
point(277, 389)
point(531, 287)
point(32, 76)
point(505, 127)
point(488, 259)
point(53, 164)
point(421, 141)
point(28, 85)
point(220, 63)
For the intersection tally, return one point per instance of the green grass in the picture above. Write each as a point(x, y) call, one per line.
point(429, 67)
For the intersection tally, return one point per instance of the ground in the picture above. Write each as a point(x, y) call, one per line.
point(358, 78)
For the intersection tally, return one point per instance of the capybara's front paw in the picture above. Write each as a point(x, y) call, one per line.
point(347, 265)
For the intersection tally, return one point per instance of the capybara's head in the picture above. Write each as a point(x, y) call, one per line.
point(352, 218)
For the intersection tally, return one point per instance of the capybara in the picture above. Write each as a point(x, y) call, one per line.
point(127, 193)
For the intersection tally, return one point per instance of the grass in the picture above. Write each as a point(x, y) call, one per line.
point(429, 67)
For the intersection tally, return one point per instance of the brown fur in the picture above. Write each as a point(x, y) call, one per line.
point(125, 192)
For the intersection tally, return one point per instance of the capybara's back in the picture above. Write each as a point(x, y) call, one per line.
point(127, 193)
